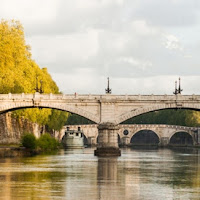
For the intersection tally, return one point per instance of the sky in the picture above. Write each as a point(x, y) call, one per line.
point(144, 46)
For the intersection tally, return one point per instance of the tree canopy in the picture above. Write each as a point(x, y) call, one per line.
point(180, 117)
point(19, 73)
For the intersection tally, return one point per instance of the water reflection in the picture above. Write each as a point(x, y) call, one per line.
point(24, 181)
point(78, 174)
point(107, 178)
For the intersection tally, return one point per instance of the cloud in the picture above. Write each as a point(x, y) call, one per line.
point(29, 11)
point(173, 43)
point(169, 12)
point(134, 42)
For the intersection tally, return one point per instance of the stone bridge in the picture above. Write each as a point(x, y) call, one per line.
point(106, 110)
point(100, 108)
point(127, 131)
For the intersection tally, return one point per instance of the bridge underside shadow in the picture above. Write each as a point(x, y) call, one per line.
point(86, 115)
point(144, 138)
point(181, 139)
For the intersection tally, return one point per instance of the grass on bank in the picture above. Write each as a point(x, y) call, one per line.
point(44, 143)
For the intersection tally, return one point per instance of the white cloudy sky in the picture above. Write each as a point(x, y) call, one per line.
point(142, 45)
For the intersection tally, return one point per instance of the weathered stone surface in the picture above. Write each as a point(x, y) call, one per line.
point(11, 129)
point(108, 140)
point(108, 126)
point(100, 108)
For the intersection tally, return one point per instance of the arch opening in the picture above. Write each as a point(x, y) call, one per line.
point(82, 118)
point(145, 138)
point(75, 119)
point(170, 116)
point(181, 139)
point(85, 140)
point(119, 139)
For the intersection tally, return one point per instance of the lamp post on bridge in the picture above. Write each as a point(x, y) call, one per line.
point(108, 90)
point(178, 90)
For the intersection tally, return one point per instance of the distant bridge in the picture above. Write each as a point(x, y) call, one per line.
point(127, 131)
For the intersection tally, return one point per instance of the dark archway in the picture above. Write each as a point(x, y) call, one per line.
point(164, 116)
point(119, 140)
point(88, 119)
point(97, 139)
point(85, 140)
point(181, 139)
point(145, 137)
point(140, 113)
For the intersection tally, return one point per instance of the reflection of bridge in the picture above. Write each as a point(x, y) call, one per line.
point(106, 110)
point(127, 131)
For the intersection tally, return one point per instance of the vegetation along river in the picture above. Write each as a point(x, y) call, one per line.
point(78, 174)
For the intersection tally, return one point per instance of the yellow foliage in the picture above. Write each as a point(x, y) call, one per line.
point(18, 71)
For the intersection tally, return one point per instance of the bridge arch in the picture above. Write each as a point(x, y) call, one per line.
point(144, 136)
point(181, 137)
point(67, 108)
point(147, 109)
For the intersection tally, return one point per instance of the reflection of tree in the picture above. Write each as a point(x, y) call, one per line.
point(32, 182)
point(30, 178)
point(183, 170)
point(196, 178)
point(186, 175)
point(138, 175)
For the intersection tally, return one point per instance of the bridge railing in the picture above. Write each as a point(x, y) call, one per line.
point(139, 126)
point(99, 97)
point(157, 126)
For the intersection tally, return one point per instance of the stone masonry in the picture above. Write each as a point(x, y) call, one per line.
point(101, 109)
point(163, 131)
point(11, 129)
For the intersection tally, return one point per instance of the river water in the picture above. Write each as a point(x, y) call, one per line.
point(77, 174)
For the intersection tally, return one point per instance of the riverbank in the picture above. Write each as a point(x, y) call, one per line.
point(11, 152)
point(16, 151)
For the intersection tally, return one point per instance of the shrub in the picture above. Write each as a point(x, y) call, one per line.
point(47, 143)
point(29, 141)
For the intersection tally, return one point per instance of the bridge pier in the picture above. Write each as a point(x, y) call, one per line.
point(108, 140)
point(164, 141)
point(125, 141)
point(91, 141)
point(196, 137)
